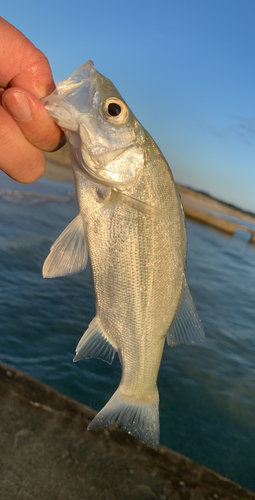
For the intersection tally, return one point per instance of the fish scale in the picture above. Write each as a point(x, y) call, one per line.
point(131, 224)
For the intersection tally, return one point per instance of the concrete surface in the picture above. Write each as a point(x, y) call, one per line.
point(216, 222)
point(47, 453)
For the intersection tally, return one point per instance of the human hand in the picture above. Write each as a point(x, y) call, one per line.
point(26, 129)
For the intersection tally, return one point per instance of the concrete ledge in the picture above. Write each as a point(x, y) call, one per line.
point(47, 453)
point(216, 222)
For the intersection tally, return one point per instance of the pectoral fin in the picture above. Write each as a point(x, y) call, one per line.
point(95, 344)
point(186, 327)
point(138, 205)
point(69, 254)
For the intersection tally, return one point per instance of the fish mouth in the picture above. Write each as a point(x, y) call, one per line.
point(85, 73)
point(59, 105)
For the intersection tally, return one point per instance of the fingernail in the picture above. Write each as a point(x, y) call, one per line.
point(18, 106)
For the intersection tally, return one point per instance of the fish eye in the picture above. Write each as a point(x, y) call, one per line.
point(113, 110)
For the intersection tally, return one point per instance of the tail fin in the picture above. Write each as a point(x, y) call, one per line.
point(141, 419)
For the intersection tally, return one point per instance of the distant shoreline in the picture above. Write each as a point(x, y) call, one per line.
point(58, 168)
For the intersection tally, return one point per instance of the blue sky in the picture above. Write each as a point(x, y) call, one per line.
point(185, 67)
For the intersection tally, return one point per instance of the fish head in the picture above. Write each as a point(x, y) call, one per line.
point(107, 141)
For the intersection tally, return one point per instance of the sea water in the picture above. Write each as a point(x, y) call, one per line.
point(207, 392)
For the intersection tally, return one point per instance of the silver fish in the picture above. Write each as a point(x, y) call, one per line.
point(131, 222)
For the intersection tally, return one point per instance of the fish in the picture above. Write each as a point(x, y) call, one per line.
point(131, 225)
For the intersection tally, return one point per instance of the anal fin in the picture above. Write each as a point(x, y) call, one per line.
point(95, 344)
point(186, 327)
point(69, 253)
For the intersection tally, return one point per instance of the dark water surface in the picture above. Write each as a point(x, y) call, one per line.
point(207, 392)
